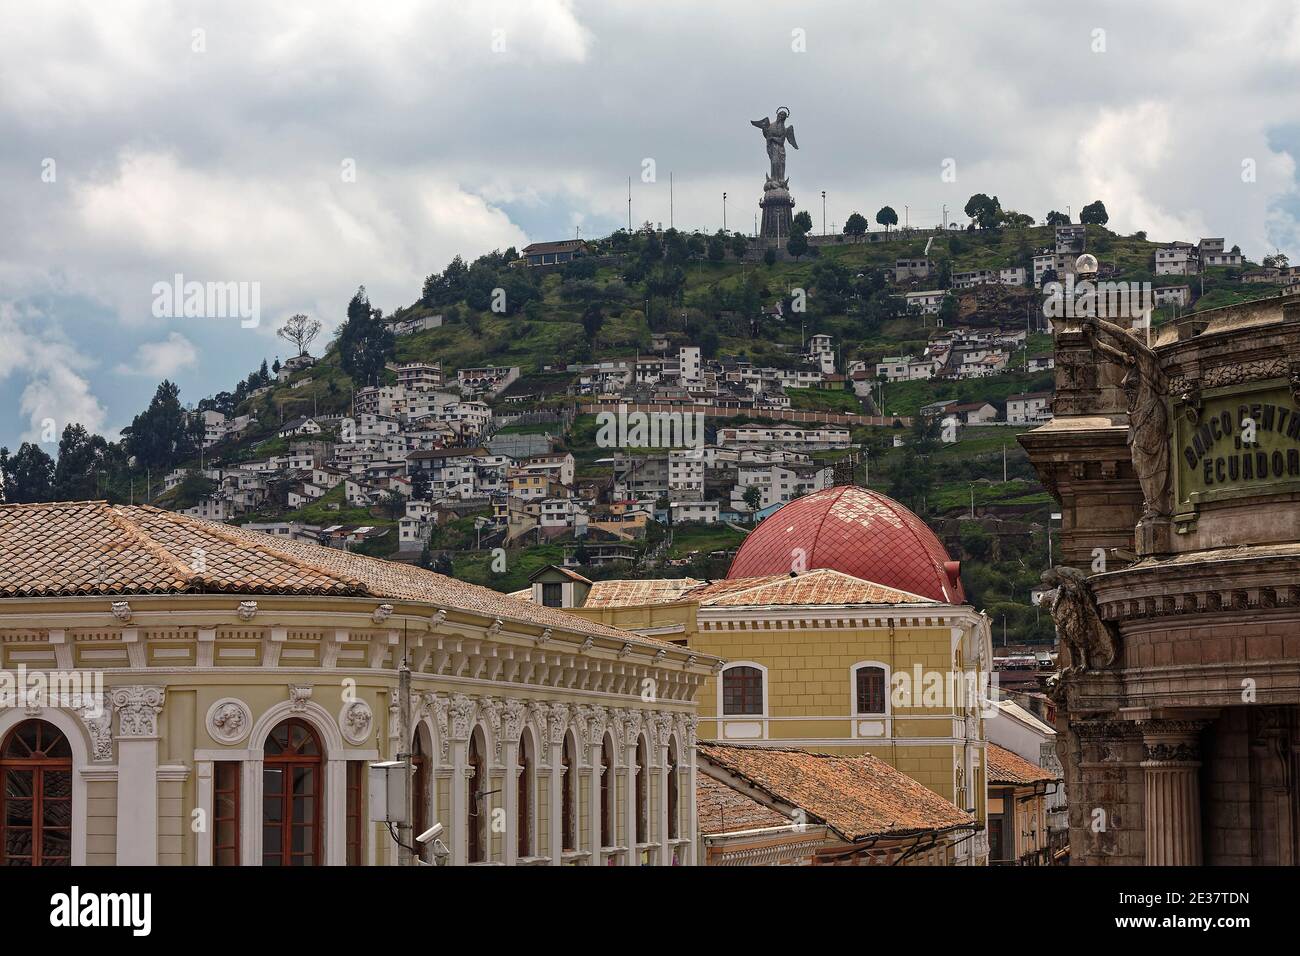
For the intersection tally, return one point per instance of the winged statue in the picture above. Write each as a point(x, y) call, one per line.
point(1091, 640)
point(777, 133)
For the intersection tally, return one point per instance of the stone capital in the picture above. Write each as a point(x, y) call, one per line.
point(137, 707)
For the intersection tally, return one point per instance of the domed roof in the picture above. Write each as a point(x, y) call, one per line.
point(855, 531)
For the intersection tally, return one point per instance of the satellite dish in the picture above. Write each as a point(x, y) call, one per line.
point(1085, 263)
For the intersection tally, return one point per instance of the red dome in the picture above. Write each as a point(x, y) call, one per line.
point(854, 531)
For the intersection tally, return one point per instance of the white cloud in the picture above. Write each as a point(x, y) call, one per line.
point(162, 359)
point(56, 393)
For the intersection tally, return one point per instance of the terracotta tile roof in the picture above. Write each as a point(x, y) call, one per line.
point(631, 593)
point(1007, 767)
point(819, 587)
point(93, 548)
point(724, 810)
point(857, 796)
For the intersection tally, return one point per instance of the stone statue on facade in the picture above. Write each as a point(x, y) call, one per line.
point(776, 135)
point(1146, 386)
point(1092, 641)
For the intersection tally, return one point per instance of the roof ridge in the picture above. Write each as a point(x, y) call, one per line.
point(220, 531)
point(187, 574)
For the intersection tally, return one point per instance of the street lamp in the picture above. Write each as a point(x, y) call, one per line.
point(724, 212)
point(823, 212)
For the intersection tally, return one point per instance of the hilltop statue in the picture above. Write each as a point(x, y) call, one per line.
point(1146, 386)
point(777, 203)
point(1091, 640)
point(776, 134)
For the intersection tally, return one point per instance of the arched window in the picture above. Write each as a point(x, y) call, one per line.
point(477, 802)
point(642, 795)
point(568, 784)
point(607, 807)
point(419, 788)
point(525, 808)
point(35, 796)
point(292, 767)
point(869, 695)
point(742, 691)
point(673, 795)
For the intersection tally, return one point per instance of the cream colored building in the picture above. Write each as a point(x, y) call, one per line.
point(843, 629)
point(216, 695)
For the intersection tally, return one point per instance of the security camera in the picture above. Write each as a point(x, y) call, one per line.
point(432, 833)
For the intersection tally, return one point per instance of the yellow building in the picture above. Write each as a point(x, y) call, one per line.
point(843, 628)
point(174, 691)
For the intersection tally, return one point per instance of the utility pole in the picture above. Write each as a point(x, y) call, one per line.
point(724, 212)
point(823, 212)
point(629, 205)
point(670, 200)
point(1004, 463)
point(906, 219)
point(945, 215)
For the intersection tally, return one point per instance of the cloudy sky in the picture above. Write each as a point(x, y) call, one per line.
point(311, 147)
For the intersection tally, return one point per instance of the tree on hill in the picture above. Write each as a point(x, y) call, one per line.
point(81, 455)
point(1277, 260)
point(753, 497)
point(163, 435)
point(300, 330)
point(739, 245)
point(1055, 218)
point(803, 221)
point(798, 244)
point(985, 211)
point(1094, 214)
point(28, 476)
point(717, 249)
point(1016, 220)
point(855, 225)
point(592, 321)
point(364, 342)
point(887, 217)
point(769, 257)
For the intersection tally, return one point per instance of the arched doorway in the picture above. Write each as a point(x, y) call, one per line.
point(35, 796)
point(292, 769)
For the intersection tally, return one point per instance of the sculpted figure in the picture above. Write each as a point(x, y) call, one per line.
point(1146, 386)
point(776, 135)
point(1092, 641)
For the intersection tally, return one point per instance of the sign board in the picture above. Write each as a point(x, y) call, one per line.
point(1244, 442)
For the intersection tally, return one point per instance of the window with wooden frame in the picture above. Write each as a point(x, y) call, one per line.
point(292, 767)
point(419, 789)
point(552, 595)
point(869, 689)
point(673, 795)
point(568, 783)
point(642, 794)
point(477, 800)
point(742, 692)
point(35, 796)
point(607, 808)
point(225, 812)
point(356, 812)
point(525, 795)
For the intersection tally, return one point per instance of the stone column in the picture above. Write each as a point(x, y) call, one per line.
point(663, 724)
point(595, 718)
point(1172, 815)
point(557, 727)
point(460, 723)
point(137, 707)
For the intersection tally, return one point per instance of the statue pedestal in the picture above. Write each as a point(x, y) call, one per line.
point(778, 214)
point(1154, 536)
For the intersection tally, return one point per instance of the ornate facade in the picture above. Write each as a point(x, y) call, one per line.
point(226, 716)
point(1179, 616)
